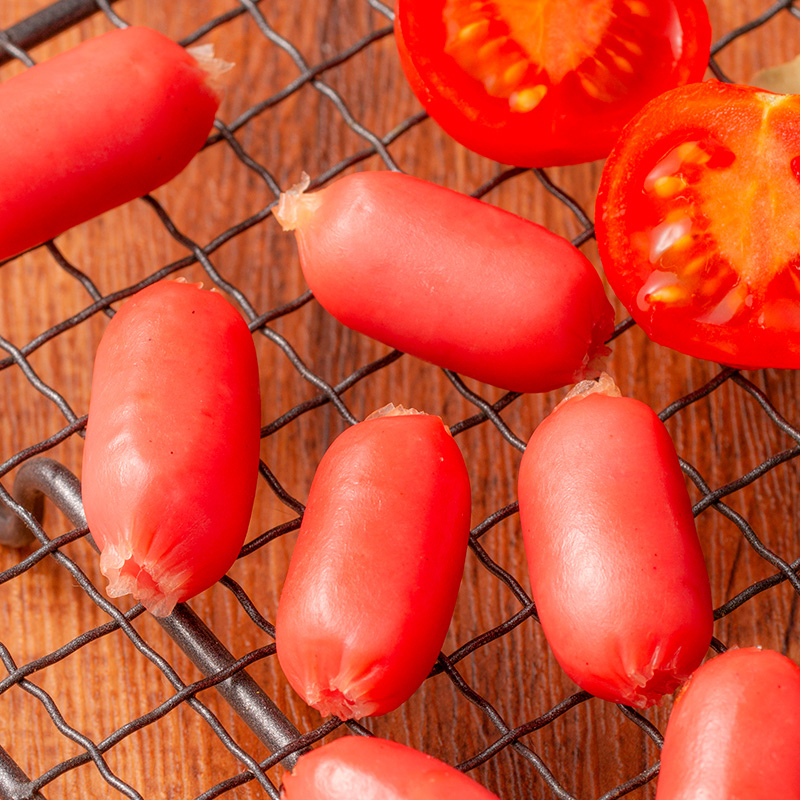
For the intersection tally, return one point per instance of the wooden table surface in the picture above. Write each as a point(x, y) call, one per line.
point(102, 685)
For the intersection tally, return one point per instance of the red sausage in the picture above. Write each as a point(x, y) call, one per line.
point(373, 579)
point(616, 568)
point(170, 462)
point(733, 731)
point(369, 768)
point(95, 127)
point(451, 280)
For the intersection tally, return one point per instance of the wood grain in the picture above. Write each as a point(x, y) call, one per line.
point(107, 683)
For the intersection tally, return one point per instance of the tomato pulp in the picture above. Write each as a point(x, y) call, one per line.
point(698, 227)
point(546, 82)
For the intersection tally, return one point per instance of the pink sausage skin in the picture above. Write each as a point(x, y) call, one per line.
point(452, 280)
point(733, 731)
point(616, 568)
point(170, 462)
point(369, 768)
point(94, 127)
point(374, 576)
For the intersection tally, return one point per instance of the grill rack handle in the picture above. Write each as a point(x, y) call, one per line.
point(45, 477)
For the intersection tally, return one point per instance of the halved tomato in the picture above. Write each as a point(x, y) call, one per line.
point(538, 83)
point(698, 223)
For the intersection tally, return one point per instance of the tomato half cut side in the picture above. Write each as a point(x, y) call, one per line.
point(539, 83)
point(698, 224)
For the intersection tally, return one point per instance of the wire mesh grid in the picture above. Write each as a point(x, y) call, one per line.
point(495, 704)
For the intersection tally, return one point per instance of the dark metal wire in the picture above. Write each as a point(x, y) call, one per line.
point(22, 512)
point(48, 22)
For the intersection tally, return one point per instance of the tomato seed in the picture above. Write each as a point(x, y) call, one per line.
point(666, 235)
point(669, 185)
point(638, 7)
point(527, 99)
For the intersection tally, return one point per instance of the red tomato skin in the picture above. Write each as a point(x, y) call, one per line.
point(616, 569)
point(171, 455)
point(555, 133)
point(731, 114)
point(374, 576)
point(733, 732)
point(369, 768)
point(94, 127)
point(459, 283)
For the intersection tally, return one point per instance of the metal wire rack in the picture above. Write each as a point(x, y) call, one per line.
point(513, 720)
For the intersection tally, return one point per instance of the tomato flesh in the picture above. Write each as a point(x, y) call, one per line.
point(698, 228)
point(505, 45)
point(539, 82)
